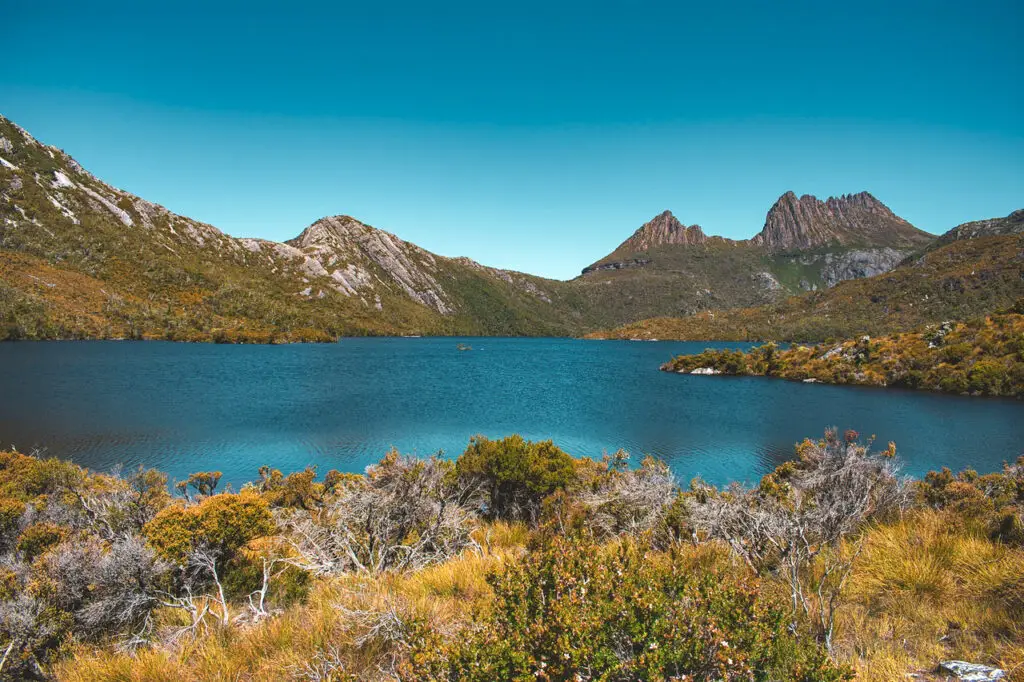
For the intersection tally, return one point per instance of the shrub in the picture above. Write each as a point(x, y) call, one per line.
point(223, 523)
point(106, 588)
point(405, 513)
point(514, 475)
point(623, 501)
point(203, 482)
point(38, 538)
point(994, 500)
point(10, 518)
point(573, 610)
point(795, 520)
point(298, 490)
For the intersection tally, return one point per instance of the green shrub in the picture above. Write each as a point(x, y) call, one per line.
point(574, 610)
point(515, 475)
point(223, 523)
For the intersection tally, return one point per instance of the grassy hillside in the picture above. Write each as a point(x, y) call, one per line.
point(981, 357)
point(81, 259)
point(514, 562)
point(720, 274)
point(681, 279)
point(962, 280)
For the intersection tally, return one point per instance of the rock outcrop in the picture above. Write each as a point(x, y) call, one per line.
point(617, 265)
point(856, 263)
point(993, 227)
point(971, 672)
point(347, 249)
point(664, 228)
point(804, 223)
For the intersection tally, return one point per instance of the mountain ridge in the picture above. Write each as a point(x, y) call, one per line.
point(972, 272)
point(121, 266)
point(857, 219)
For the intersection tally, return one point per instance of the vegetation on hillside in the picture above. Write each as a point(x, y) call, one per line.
point(981, 357)
point(962, 280)
point(82, 259)
point(515, 561)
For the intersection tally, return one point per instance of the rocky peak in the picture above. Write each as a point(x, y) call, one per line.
point(858, 219)
point(333, 232)
point(664, 228)
point(355, 255)
point(860, 201)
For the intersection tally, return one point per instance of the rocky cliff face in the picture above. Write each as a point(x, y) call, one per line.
point(852, 220)
point(664, 228)
point(357, 257)
point(859, 263)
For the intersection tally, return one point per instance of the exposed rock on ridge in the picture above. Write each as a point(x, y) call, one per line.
point(664, 228)
point(850, 220)
point(1011, 224)
point(342, 244)
point(617, 265)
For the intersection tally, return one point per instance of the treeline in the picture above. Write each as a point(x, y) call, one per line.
point(981, 357)
point(514, 561)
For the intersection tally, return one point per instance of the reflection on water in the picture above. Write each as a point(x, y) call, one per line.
point(182, 407)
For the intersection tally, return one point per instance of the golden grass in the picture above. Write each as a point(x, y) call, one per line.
point(445, 595)
point(927, 589)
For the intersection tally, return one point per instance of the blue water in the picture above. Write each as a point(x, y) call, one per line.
point(184, 407)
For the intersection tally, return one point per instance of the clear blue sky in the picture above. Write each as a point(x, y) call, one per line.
point(528, 135)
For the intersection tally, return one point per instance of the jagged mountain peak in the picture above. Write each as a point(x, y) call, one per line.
point(860, 219)
point(663, 228)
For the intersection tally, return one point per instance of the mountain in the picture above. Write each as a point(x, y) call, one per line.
point(663, 229)
point(851, 220)
point(668, 268)
point(976, 269)
point(80, 258)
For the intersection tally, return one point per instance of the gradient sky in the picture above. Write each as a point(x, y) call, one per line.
point(527, 135)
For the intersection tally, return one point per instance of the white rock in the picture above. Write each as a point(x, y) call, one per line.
point(61, 180)
point(812, 380)
point(7, 164)
point(121, 214)
point(833, 352)
point(971, 672)
point(705, 370)
point(67, 212)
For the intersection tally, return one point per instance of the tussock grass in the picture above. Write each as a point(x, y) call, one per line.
point(335, 618)
point(927, 588)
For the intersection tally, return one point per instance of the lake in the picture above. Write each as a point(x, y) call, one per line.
point(190, 407)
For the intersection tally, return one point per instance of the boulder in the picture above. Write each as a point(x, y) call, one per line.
point(705, 370)
point(971, 672)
